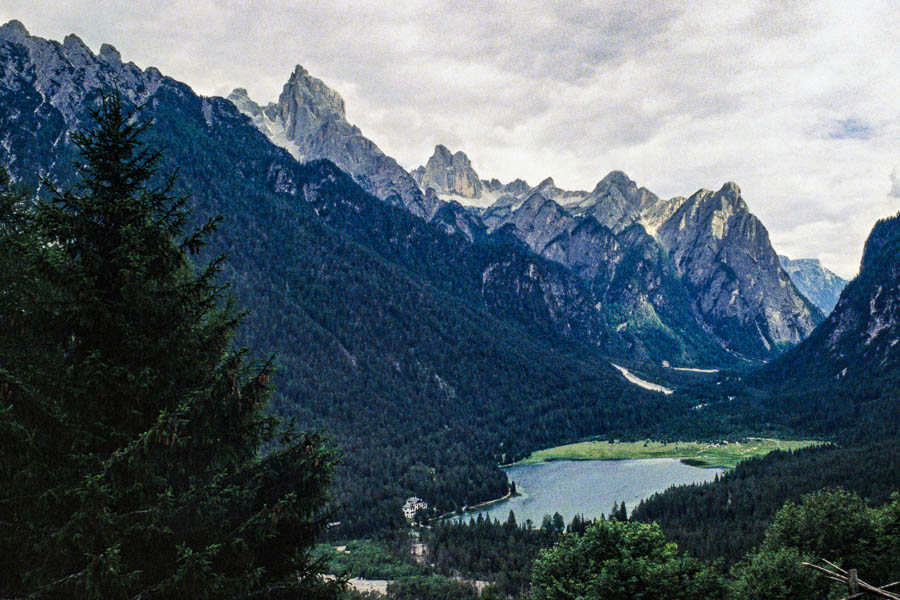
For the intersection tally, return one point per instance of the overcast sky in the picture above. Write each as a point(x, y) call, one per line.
point(797, 102)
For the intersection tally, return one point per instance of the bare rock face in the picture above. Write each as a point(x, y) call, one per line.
point(450, 173)
point(616, 201)
point(813, 280)
point(454, 217)
point(707, 262)
point(590, 249)
point(724, 254)
point(538, 220)
point(309, 121)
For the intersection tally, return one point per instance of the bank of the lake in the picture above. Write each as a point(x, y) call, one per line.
point(725, 454)
point(587, 488)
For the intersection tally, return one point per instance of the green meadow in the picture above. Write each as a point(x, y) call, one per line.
point(702, 454)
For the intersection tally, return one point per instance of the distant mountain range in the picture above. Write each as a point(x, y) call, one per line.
point(686, 266)
point(814, 281)
point(682, 279)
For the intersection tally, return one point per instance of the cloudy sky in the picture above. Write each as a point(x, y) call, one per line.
point(797, 102)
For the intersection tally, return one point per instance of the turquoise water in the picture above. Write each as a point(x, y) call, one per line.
point(589, 487)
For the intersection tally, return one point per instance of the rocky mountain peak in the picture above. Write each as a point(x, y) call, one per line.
point(729, 195)
point(309, 121)
point(442, 153)
point(730, 188)
point(534, 200)
point(517, 187)
point(617, 178)
point(547, 183)
point(724, 253)
point(109, 54)
point(450, 174)
point(538, 220)
point(616, 202)
point(239, 93)
point(13, 31)
point(306, 102)
point(73, 42)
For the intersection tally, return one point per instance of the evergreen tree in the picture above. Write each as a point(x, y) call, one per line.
point(130, 428)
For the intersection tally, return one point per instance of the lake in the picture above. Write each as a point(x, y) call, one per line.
point(588, 487)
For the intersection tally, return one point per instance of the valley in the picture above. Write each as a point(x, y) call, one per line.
point(249, 318)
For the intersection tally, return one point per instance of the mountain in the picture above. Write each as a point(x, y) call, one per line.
point(449, 174)
point(428, 358)
point(616, 201)
point(840, 383)
point(818, 284)
point(701, 271)
point(310, 122)
point(724, 255)
point(860, 339)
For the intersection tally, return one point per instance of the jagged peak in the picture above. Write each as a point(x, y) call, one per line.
point(729, 194)
point(299, 72)
point(815, 262)
point(239, 92)
point(73, 42)
point(14, 31)
point(618, 178)
point(312, 93)
point(444, 154)
point(442, 150)
point(109, 54)
point(730, 188)
point(613, 180)
point(546, 183)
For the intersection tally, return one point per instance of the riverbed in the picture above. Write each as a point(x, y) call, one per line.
point(588, 487)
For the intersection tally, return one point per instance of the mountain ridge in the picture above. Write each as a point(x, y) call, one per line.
point(821, 286)
point(309, 120)
point(738, 293)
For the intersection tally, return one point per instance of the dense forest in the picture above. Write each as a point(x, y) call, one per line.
point(728, 518)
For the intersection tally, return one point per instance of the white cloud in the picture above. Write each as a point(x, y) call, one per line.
point(796, 101)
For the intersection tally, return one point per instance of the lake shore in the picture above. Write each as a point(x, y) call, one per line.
point(586, 488)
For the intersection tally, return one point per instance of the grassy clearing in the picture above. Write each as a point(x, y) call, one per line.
point(701, 454)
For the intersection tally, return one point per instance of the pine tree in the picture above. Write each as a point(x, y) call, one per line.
point(131, 429)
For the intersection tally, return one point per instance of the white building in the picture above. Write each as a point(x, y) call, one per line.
point(412, 506)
